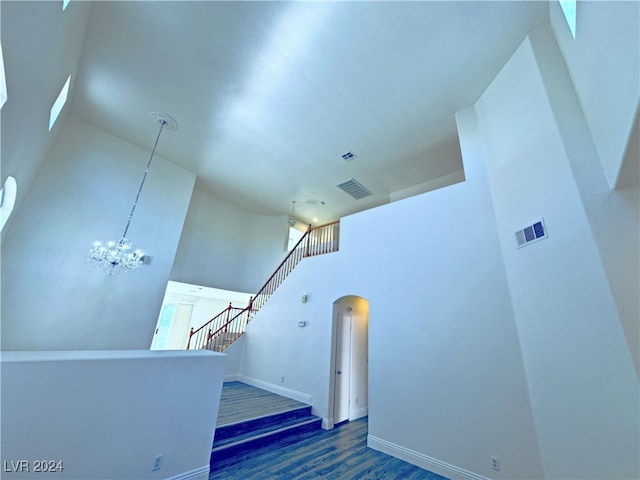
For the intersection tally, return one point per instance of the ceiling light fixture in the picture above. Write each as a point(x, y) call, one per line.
point(292, 221)
point(114, 258)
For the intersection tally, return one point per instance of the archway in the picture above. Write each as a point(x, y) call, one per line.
point(349, 375)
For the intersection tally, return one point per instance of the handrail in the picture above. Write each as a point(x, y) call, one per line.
point(218, 320)
point(291, 252)
point(229, 332)
point(316, 241)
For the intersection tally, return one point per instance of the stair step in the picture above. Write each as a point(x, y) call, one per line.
point(236, 445)
point(242, 427)
point(263, 431)
point(267, 434)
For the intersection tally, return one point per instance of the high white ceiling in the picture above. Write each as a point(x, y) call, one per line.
point(269, 95)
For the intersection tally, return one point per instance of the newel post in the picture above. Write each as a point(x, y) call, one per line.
point(249, 312)
point(306, 250)
point(190, 335)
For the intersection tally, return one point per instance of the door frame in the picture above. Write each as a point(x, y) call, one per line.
point(358, 308)
point(342, 374)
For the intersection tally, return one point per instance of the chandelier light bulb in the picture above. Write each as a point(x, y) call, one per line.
point(115, 258)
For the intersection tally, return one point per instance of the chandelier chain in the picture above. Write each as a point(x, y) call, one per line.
point(144, 177)
point(114, 258)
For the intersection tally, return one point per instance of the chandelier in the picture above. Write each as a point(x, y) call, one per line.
point(116, 257)
point(292, 221)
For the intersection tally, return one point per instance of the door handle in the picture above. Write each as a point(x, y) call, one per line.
point(339, 372)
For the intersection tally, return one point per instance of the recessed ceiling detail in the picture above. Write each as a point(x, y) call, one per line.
point(354, 188)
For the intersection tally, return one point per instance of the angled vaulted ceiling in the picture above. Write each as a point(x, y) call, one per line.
point(269, 95)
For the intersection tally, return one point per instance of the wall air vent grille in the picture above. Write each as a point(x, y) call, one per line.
point(531, 234)
point(353, 188)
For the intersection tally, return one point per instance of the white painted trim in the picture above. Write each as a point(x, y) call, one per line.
point(232, 377)
point(421, 460)
point(273, 388)
point(201, 473)
point(357, 413)
point(327, 423)
point(444, 181)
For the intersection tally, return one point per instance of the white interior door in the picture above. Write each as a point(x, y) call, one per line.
point(342, 372)
point(172, 331)
point(164, 327)
point(179, 333)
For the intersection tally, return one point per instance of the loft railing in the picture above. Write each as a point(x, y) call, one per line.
point(226, 327)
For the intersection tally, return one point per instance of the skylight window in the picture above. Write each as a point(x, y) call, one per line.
point(3, 81)
point(8, 195)
point(569, 10)
point(65, 3)
point(59, 103)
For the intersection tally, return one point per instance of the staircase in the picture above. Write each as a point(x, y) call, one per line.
point(235, 439)
point(224, 339)
point(230, 324)
point(251, 418)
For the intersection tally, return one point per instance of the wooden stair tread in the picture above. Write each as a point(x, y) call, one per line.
point(264, 433)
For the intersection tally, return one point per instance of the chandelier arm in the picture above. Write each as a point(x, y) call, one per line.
point(144, 177)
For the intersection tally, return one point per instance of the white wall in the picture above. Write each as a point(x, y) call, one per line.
point(276, 348)
point(446, 382)
point(52, 299)
point(478, 349)
point(604, 63)
point(580, 375)
point(109, 414)
point(595, 122)
point(226, 247)
point(233, 365)
point(33, 85)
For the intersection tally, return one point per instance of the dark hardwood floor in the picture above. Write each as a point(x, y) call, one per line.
point(241, 402)
point(340, 454)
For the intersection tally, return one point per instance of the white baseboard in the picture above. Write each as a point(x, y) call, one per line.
point(358, 413)
point(201, 473)
point(232, 377)
point(327, 423)
point(273, 388)
point(432, 464)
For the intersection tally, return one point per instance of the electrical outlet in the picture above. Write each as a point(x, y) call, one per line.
point(281, 379)
point(157, 463)
point(495, 463)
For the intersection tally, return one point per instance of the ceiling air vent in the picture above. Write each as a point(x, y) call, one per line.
point(353, 188)
point(348, 156)
point(531, 234)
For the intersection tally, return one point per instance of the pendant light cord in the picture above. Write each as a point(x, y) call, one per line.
point(144, 177)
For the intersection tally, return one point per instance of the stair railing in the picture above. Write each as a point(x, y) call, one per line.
point(322, 239)
point(205, 333)
point(226, 327)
